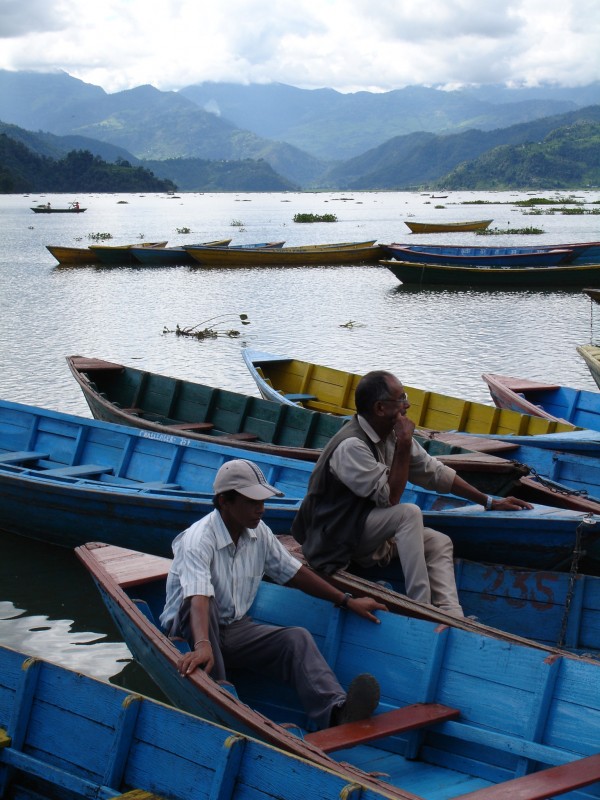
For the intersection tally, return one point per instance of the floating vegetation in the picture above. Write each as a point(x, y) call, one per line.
point(501, 231)
point(544, 201)
point(122, 202)
point(477, 203)
point(562, 210)
point(210, 331)
point(236, 223)
point(183, 230)
point(315, 218)
point(100, 237)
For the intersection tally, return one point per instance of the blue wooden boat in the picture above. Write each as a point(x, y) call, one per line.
point(462, 714)
point(581, 252)
point(547, 400)
point(556, 609)
point(62, 476)
point(65, 479)
point(65, 736)
point(480, 257)
point(431, 274)
point(566, 461)
point(120, 255)
point(169, 256)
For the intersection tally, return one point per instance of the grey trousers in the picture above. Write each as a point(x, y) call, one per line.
point(286, 654)
point(426, 555)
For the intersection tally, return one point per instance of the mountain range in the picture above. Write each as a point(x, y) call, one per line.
point(274, 137)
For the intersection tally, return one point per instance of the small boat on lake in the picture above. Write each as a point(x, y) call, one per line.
point(120, 254)
point(551, 401)
point(555, 609)
point(581, 252)
point(46, 208)
point(66, 479)
point(591, 355)
point(331, 254)
point(448, 227)
point(81, 738)
point(473, 256)
point(463, 713)
point(129, 396)
point(73, 256)
point(557, 276)
point(320, 388)
point(169, 256)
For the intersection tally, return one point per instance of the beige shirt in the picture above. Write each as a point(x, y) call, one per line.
point(353, 464)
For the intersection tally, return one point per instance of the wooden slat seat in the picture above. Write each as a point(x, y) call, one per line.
point(242, 436)
point(153, 485)
point(299, 397)
point(21, 456)
point(545, 783)
point(399, 720)
point(79, 471)
point(191, 426)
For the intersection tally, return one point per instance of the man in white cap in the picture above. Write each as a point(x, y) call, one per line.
point(218, 564)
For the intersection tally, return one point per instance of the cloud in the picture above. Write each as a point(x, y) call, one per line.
point(21, 17)
point(344, 44)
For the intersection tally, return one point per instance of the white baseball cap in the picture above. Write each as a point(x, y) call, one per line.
point(244, 477)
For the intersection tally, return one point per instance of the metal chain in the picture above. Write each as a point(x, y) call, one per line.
point(576, 555)
point(557, 488)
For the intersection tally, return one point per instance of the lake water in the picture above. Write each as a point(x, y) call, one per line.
point(352, 318)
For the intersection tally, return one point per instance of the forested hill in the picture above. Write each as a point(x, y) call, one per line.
point(22, 170)
point(566, 158)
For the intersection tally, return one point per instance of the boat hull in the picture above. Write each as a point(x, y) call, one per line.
point(448, 227)
point(321, 388)
point(415, 661)
point(66, 479)
point(72, 256)
point(545, 257)
point(591, 355)
point(79, 737)
point(551, 401)
point(120, 254)
point(285, 256)
point(564, 276)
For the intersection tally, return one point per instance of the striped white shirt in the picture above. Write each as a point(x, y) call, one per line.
point(207, 562)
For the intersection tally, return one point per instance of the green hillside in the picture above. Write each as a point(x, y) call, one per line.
point(567, 158)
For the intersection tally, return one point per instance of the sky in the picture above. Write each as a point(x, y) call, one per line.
point(348, 45)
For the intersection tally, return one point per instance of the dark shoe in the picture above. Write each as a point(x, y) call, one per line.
point(361, 701)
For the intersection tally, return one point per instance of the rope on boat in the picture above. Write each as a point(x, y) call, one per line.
point(578, 552)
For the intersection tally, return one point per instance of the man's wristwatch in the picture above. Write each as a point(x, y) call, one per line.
point(344, 602)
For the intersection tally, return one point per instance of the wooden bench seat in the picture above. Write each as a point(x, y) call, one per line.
point(399, 720)
point(191, 426)
point(152, 485)
point(242, 436)
point(21, 456)
point(545, 783)
point(79, 471)
point(299, 397)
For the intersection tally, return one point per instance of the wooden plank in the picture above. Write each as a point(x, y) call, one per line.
point(130, 567)
point(19, 456)
point(90, 364)
point(79, 471)
point(191, 426)
point(400, 720)
point(546, 783)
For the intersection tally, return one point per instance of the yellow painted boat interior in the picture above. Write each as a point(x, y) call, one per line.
point(332, 391)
